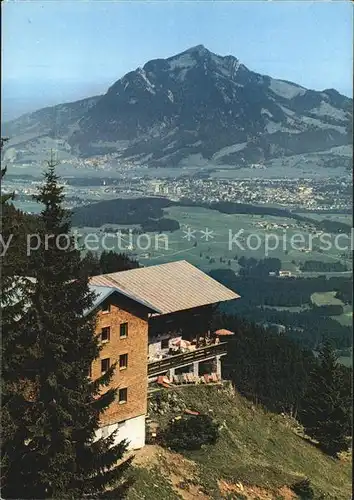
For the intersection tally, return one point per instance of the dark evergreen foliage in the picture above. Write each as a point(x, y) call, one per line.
point(323, 267)
point(109, 262)
point(268, 368)
point(191, 432)
point(260, 289)
point(13, 403)
point(303, 489)
point(345, 293)
point(229, 207)
point(258, 268)
point(326, 408)
point(120, 211)
point(159, 225)
point(54, 452)
point(328, 310)
point(308, 326)
point(4, 197)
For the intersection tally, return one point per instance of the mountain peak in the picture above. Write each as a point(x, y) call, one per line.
point(198, 49)
point(198, 106)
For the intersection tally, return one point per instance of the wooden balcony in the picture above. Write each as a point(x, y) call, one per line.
point(185, 359)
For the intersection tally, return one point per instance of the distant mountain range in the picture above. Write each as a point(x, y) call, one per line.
point(195, 106)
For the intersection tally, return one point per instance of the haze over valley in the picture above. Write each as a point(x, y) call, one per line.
point(176, 250)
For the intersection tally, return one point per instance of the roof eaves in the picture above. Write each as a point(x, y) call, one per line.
point(119, 290)
point(97, 303)
point(137, 299)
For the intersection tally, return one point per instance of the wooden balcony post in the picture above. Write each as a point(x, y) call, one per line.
point(189, 358)
point(218, 365)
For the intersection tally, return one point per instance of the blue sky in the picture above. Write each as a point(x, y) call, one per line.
point(55, 51)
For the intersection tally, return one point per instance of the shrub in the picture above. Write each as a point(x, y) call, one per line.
point(190, 433)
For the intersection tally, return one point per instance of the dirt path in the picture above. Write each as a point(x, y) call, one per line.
point(181, 472)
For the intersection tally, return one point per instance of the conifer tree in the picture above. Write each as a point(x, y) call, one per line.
point(325, 410)
point(13, 344)
point(112, 262)
point(61, 458)
point(4, 197)
point(92, 262)
point(109, 262)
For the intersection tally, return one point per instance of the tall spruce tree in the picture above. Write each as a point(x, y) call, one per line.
point(60, 456)
point(326, 413)
point(11, 286)
point(9, 196)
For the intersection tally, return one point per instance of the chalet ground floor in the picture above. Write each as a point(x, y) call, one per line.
point(132, 429)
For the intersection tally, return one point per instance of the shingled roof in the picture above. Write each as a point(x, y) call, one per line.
point(166, 288)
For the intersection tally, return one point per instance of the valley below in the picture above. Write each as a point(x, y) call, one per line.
point(177, 251)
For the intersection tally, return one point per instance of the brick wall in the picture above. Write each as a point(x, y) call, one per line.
point(134, 377)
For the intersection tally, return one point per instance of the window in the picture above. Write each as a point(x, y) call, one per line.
point(105, 334)
point(105, 363)
point(123, 361)
point(106, 308)
point(123, 395)
point(165, 343)
point(123, 330)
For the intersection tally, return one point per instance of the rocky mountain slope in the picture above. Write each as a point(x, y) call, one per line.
point(196, 107)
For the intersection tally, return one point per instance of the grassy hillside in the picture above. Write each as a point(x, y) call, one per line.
point(258, 455)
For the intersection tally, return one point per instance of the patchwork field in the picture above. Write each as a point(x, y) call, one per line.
point(329, 299)
point(345, 319)
point(206, 237)
point(344, 218)
point(210, 239)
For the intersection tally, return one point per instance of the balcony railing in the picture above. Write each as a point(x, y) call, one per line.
point(180, 360)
